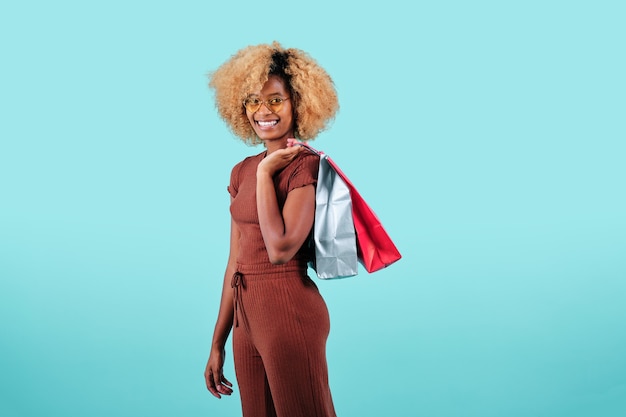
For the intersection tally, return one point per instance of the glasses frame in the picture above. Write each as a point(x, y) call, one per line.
point(266, 104)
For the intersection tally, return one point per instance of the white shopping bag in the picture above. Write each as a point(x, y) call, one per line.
point(333, 231)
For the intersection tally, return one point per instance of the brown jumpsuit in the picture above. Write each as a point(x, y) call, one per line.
point(281, 321)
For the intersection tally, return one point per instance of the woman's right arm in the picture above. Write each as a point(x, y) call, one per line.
point(215, 381)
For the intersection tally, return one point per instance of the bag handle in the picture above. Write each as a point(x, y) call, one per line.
point(310, 148)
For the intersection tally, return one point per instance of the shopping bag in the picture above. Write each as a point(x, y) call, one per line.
point(334, 235)
point(376, 250)
point(374, 247)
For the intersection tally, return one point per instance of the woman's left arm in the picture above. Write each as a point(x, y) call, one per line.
point(283, 233)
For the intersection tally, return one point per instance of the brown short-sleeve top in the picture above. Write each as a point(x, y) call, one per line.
point(300, 172)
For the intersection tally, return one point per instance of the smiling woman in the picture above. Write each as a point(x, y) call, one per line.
point(280, 323)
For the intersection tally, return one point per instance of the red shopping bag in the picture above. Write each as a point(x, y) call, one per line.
point(375, 248)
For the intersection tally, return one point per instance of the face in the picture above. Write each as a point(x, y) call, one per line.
point(271, 125)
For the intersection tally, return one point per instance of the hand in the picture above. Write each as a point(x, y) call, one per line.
point(295, 142)
point(215, 381)
point(278, 160)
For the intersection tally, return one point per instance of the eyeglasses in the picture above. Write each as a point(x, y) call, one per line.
point(274, 104)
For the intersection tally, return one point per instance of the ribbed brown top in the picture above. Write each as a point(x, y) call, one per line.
point(300, 172)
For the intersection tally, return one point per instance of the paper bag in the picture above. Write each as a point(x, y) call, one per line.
point(333, 231)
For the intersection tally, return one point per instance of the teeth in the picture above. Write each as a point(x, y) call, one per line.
point(267, 124)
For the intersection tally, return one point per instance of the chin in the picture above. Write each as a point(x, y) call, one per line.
point(268, 137)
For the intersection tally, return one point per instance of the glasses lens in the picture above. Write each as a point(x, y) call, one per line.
point(252, 104)
point(275, 104)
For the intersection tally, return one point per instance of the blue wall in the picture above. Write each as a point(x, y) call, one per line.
point(489, 137)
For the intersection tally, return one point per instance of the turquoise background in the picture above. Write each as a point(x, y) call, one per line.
point(488, 136)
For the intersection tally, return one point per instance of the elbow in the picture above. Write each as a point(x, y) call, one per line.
point(279, 261)
point(282, 250)
point(279, 257)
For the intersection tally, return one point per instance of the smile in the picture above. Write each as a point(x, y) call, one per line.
point(267, 123)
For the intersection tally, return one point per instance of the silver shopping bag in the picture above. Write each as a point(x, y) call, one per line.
point(333, 231)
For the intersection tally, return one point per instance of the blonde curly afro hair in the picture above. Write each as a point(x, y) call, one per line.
point(311, 88)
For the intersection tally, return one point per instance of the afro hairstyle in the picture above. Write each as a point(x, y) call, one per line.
point(312, 90)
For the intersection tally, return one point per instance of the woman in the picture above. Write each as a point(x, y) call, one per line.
point(270, 95)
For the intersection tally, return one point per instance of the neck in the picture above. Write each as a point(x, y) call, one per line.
point(276, 144)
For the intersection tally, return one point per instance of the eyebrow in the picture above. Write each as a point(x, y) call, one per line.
point(268, 95)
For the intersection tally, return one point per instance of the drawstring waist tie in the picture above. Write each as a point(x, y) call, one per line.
point(258, 272)
point(236, 283)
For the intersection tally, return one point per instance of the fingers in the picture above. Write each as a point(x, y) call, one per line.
point(292, 147)
point(293, 142)
point(284, 155)
point(210, 384)
point(226, 381)
point(295, 151)
point(217, 384)
point(223, 385)
point(278, 159)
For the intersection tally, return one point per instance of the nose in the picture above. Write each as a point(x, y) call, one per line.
point(264, 109)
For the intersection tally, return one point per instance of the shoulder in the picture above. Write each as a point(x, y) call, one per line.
point(307, 159)
point(241, 170)
point(247, 161)
point(303, 170)
point(304, 163)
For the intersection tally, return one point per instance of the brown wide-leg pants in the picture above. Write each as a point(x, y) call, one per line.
point(279, 344)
